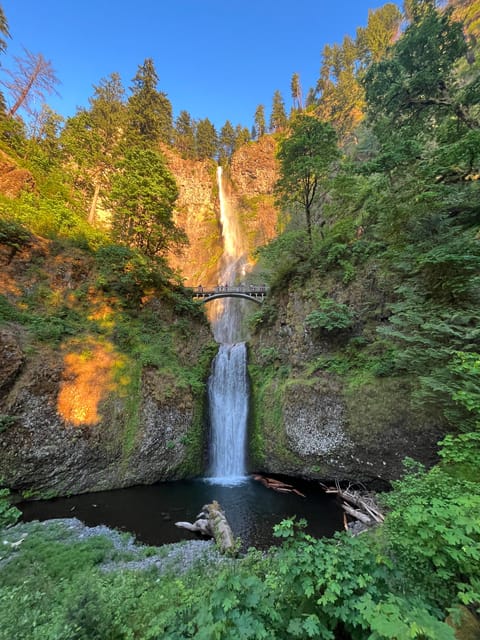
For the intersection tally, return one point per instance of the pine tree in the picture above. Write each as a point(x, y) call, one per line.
point(381, 31)
point(242, 136)
point(278, 117)
point(340, 95)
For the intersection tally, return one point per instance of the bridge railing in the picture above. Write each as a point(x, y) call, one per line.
point(253, 290)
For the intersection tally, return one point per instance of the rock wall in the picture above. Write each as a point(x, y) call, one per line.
point(77, 412)
point(313, 422)
point(251, 174)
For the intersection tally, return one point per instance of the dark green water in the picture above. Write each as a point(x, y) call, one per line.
point(149, 512)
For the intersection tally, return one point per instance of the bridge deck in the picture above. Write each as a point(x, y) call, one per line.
point(256, 293)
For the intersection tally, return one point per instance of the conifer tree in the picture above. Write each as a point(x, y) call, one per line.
point(3, 30)
point(184, 135)
point(242, 136)
point(296, 90)
point(260, 125)
point(278, 117)
point(381, 31)
point(226, 141)
point(206, 140)
point(149, 110)
point(340, 95)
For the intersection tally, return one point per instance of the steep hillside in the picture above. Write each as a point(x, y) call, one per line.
point(103, 369)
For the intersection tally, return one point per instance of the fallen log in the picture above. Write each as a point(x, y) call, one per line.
point(361, 508)
point(213, 523)
point(278, 485)
point(358, 515)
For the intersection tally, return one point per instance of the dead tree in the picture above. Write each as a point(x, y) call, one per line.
point(32, 78)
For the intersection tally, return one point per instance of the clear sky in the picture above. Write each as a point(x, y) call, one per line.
point(215, 58)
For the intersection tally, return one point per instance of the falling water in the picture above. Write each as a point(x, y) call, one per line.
point(228, 384)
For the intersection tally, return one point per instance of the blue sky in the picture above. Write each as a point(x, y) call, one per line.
point(215, 59)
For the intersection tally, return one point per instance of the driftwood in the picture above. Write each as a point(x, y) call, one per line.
point(211, 521)
point(361, 507)
point(278, 485)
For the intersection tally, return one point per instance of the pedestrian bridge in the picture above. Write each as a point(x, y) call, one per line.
point(255, 293)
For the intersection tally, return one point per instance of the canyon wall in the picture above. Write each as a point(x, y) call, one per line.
point(251, 176)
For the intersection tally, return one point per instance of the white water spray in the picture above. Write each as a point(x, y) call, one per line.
point(228, 384)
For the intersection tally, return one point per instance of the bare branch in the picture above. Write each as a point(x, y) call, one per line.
point(32, 78)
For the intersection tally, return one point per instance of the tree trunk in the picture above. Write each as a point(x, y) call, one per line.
point(92, 214)
point(212, 522)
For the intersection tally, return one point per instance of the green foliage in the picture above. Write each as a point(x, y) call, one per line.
point(433, 531)
point(306, 157)
point(330, 316)
point(149, 111)
point(142, 196)
point(13, 234)
point(8, 514)
point(129, 274)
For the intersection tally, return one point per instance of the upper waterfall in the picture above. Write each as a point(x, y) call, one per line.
point(226, 316)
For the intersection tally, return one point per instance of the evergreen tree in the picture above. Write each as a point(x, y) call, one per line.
point(206, 140)
point(278, 117)
point(296, 90)
point(3, 30)
point(242, 136)
point(260, 125)
point(227, 141)
point(381, 31)
point(184, 135)
point(142, 197)
point(340, 95)
point(149, 110)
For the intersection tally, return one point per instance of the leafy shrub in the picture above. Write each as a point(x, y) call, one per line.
point(331, 316)
point(8, 514)
point(13, 234)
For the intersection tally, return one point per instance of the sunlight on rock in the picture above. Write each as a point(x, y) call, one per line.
point(88, 376)
point(8, 286)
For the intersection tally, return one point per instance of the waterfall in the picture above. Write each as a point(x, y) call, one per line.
point(228, 397)
point(228, 384)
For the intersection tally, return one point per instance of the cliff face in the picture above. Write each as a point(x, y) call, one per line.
point(309, 419)
point(79, 409)
point(251, 176)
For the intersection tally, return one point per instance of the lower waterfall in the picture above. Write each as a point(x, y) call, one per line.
point(228, 397)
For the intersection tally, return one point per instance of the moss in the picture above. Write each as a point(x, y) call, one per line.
point(268, 439)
